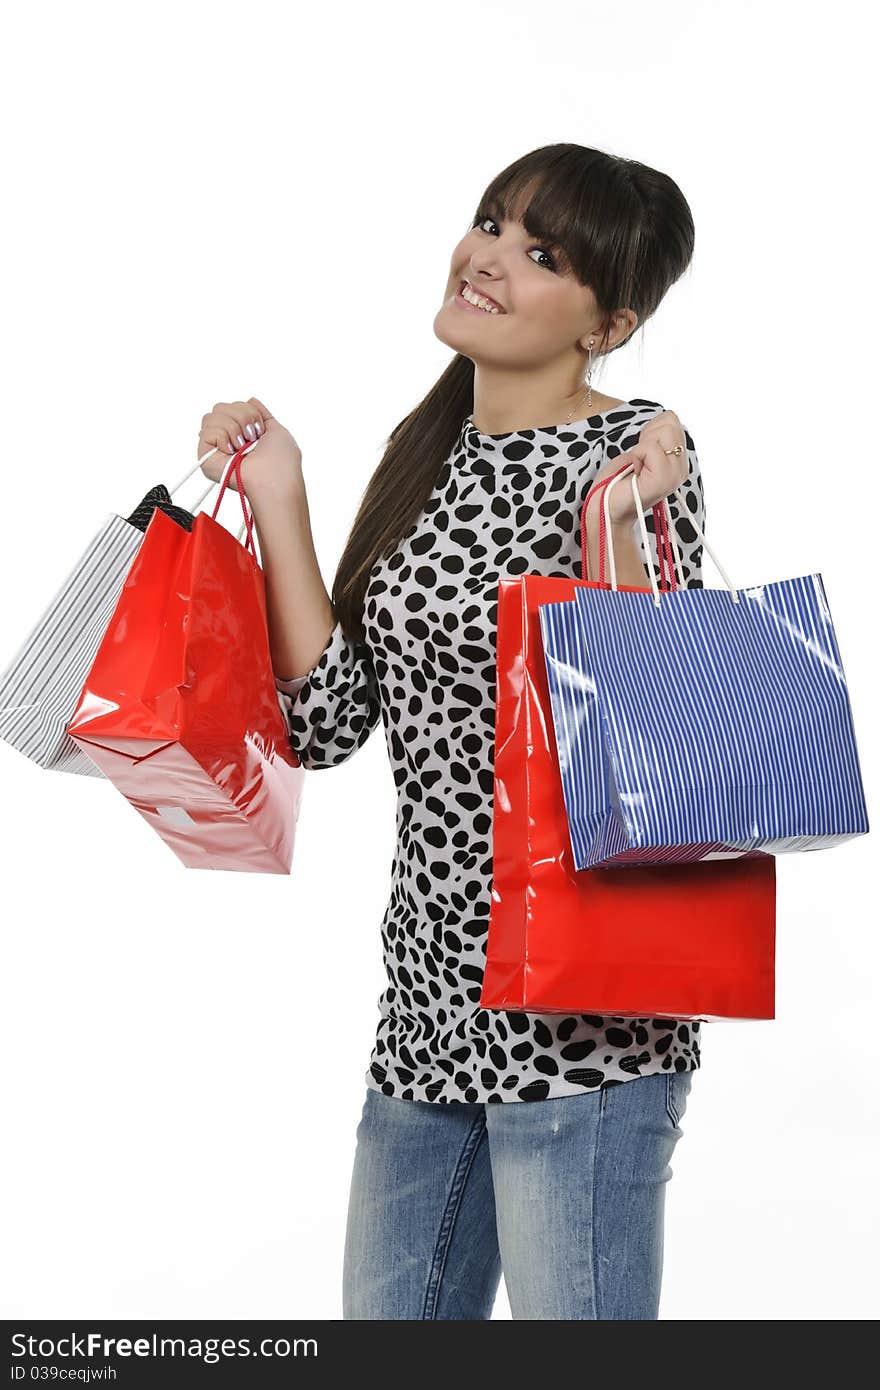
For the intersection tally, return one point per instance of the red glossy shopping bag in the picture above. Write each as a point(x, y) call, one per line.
point(180, 710)
point(680, 941)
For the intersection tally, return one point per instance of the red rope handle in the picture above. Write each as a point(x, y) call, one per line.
point(248, 518)
point(664, 556)
point(664, 545)
point(661, 533)
point(596, 491)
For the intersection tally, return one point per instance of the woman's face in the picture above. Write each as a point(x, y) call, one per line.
point(543, 311)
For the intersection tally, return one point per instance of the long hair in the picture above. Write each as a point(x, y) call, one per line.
point(625, 230)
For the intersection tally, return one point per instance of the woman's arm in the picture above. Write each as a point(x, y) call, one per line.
point(326, 681)
point(299, 614)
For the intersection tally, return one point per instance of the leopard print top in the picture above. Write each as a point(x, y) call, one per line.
point(502, 505)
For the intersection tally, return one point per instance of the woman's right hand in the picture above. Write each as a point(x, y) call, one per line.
point(273, 467)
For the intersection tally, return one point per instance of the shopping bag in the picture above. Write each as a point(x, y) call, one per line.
point(180, 709)
point(701, 721)
point(41, 685)
point(682, 941)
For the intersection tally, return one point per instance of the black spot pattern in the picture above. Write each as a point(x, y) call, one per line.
point(502, 505)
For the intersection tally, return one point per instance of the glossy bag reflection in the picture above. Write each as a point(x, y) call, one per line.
point(180, 709)
point(679, 941)
point(705, 721)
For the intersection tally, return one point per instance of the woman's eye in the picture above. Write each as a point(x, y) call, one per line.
point(481, 219)
point(552, 265)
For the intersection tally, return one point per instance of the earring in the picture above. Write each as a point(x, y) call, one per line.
point(590, 376)
point(589, 385)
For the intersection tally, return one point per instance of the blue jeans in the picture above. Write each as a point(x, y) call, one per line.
point(565, 1194)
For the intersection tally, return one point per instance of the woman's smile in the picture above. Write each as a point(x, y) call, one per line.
point(476, 301)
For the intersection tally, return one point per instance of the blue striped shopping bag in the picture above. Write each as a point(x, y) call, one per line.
point(696, 724)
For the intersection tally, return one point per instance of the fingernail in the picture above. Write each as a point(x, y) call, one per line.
point(259, 428)
point(229, 449)
point(249, 431)
point(240, 439)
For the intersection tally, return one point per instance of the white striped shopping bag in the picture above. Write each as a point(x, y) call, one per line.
point(696, 724)
point(41, 686)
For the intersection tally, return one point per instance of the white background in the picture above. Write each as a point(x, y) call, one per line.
point(205, 202)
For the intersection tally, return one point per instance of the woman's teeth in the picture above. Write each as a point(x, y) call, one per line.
point(477, 299)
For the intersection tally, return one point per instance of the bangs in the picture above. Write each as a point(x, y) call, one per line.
point(545, 215)
point(555, 204)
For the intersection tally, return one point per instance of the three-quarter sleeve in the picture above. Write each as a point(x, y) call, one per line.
point(689, 545)
point(332, 710)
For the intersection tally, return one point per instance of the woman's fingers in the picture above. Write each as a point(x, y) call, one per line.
point(251, 418)
point(237, 425)
point(219, 428)
point(234, 425)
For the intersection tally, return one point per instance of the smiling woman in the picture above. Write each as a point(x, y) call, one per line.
point(485, 479)
point(577, 249)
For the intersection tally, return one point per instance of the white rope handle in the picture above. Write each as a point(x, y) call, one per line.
point(212, 484)
point(639, 509)
point(640, 512)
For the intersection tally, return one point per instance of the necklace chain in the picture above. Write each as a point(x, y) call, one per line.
point(571, 412)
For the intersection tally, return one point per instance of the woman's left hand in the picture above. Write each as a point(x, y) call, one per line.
point(657, 472)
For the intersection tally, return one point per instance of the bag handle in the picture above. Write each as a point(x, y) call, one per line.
point(605, 487)
point(234, 464)
point(667, 578)
point(664, 552)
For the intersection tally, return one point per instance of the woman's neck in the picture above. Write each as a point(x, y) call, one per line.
point(503, 421)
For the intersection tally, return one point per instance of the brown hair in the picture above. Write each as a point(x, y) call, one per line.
point(624, 229)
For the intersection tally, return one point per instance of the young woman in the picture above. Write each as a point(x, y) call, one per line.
point(455, 1177)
